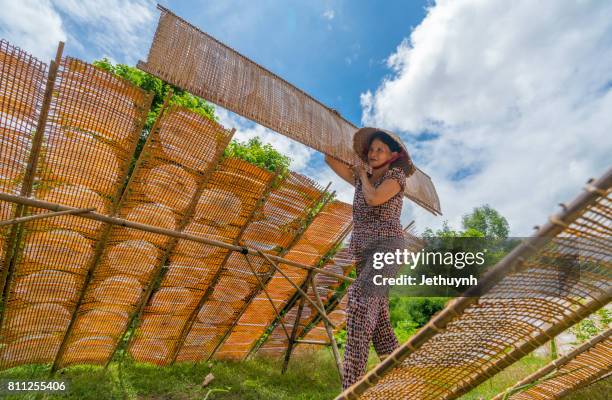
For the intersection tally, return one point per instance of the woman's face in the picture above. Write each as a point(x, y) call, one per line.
point(379, 153)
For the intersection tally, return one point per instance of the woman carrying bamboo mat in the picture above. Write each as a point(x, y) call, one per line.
point(377, 206)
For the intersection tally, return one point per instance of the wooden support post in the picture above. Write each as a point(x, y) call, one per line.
point(329, 331)
point(296, 324)
point(28, 181)
point(21, 220)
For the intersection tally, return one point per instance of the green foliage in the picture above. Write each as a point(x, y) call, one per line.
point(160, 89)
point(593, 325)
point(262, 155)
point(416, 310)
point(487, 220)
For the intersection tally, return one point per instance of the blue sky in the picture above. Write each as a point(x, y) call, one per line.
point(497, 106)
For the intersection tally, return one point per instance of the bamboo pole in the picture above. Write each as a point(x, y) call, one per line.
point(263, 287)
point(162, 231)
point(296, 237)
point(211, 286)
point(329, 331)
point(556, 364)
point(169, 248)
point(15, 235)
point(100, 245)
point(296, 324)
point(306, 341)
point(299, 289)
point(512, 262)
point(21, 220)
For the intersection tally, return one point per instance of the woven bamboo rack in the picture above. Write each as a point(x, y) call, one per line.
point(577, 369)
point(191, 59)
point(481, 333)
point(144, 261)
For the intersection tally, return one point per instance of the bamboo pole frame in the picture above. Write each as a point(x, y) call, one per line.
point(173, 241)
point(153, 229)
point(296, 237)
point(512, 262)
point(299, 289)
point(21, 220)
point(209, 290)
point(296, 324)
point(555, 364)
point(93, 263)
point(28, 180)
point(330, 333)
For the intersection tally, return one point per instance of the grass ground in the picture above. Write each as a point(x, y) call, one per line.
point(310, 376)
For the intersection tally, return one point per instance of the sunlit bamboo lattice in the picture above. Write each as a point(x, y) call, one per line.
point(474, 337)
point(162, 241)
point(577, 369)
point(191, 59)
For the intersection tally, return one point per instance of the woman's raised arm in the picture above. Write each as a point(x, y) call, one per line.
point(341, 169)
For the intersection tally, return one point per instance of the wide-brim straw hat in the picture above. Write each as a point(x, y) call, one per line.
point(360, 145)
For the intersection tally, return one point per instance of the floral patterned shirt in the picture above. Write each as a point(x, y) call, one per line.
point(371, 223)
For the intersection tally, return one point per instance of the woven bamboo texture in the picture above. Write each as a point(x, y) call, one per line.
point(94, 122)
point(273, 230)
point(181, 151)
point(22, 83)
point(277, 342)
point(473, 338)
point(327, 228)
point(579, 368)
point(191, 59)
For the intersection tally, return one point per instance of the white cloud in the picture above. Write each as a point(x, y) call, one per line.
point(121, 29)
point(300, 155)
point(329, 14)
point(32, 25)
point(520, 95)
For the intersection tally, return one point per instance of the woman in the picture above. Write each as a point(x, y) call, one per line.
point(377, 206)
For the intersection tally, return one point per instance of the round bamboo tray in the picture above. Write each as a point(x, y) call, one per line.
point(162, 326)
point(44, 317)
point(187, 275)
point(47, 286)
point(153, 214)
point(231, 289)
point(215, 313)
point(222, 206)
point(75, 196)
point(169, 185)
point(171, 300)
point(78, 158)
point(89, 349)
point(120, 289)
point(188, 148)
point(30, 348)
point(60, 249)
point(136, 257)
point(94, 321)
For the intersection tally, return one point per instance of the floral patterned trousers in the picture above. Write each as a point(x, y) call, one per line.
point(367, 320)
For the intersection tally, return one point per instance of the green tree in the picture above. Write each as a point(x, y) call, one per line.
point(487, 220)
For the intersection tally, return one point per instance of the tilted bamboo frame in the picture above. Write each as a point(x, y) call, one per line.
point(107, 216)
point(191, 59)
point(579, 368)
point(588, 215)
